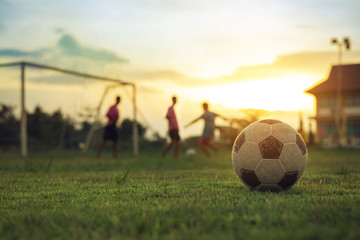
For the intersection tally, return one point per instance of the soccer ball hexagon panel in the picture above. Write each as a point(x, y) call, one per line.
point(269, 155)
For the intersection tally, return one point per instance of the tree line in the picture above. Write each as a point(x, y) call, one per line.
point(48, 131)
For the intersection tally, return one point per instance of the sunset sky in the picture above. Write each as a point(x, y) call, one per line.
point(235, 54)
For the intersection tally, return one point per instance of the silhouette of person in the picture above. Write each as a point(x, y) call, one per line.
point(110, 132)
point(209, 129)
point(173, 130)
point(311, 136)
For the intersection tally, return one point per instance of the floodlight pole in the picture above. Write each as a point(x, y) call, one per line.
point(23, 120)
point(340, 118)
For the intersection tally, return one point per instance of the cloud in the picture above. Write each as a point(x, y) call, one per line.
point(68, 47)
point(19, 53)
point(150, 90)
point(316, 63)
point(167, 75)
point(61, 79)
point(151, 76)
point(307, 62)
point(71, 47)
point(67, 53)
point(6, 9)
point(312, 63)
point(303, 26)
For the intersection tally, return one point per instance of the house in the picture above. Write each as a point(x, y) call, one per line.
point(338, 122)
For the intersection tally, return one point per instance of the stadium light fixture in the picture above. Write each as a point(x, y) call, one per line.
point(340, 119)
point(334, 41)
point(347, 43)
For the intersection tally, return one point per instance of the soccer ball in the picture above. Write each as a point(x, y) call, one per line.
point(269, 155)
point(190, 152)
point(82, 146)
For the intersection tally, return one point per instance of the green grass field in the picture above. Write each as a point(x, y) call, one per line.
point(73, 196)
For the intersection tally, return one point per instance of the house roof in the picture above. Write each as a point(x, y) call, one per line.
point(350, 80)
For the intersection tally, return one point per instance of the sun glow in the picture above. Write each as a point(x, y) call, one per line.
point(284, 94)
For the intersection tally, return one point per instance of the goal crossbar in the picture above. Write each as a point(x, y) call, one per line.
point(23, 120)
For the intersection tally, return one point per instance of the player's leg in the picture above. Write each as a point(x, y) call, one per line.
point(101, 146)
point(203, 143)
point(114, 138)
point(176, 138)
point(176, 148)
point(209, 134)
point(212, 145)
point(115, 149)
point(167, 149)
point(169, 146)
point(106, 136)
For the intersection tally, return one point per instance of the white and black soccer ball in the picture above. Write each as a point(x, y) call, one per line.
point(82, 146)
point(190, 152)
point(269, 155)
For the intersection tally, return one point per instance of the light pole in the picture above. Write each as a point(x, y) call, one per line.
point(340, 119)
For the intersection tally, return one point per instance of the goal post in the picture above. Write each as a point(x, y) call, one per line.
point(23, 117)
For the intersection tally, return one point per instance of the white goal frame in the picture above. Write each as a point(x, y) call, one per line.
point(23, 119)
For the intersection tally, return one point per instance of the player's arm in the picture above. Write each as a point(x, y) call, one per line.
point(108, 115)
point(193, 121)
point(220, 116)
point(224, 118)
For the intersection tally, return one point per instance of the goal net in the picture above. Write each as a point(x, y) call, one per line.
point(46, 108)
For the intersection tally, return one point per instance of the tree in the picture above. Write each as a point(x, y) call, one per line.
point(229, 133)
point(50, 131)
point(9, 127)
point(53, 130)
point(126, 130)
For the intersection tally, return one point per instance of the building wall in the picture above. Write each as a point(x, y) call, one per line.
point(326, 115)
